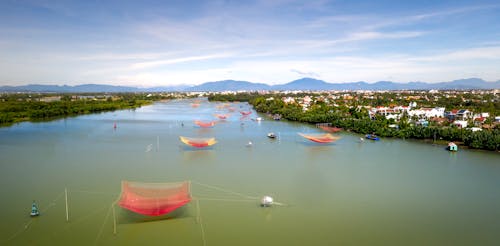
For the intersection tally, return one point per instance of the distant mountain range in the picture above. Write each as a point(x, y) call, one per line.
point(232, 85)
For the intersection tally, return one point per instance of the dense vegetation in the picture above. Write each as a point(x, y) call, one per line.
point(25, 107)
point(356, 119)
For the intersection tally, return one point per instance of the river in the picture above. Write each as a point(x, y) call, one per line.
point(351, 192)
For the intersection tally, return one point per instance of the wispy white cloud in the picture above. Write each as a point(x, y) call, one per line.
point(156, 63)
point(123, 56)
point(307, 74)
point(361, 36)
point(452, 11)
point(470, 54)
point(379, 22)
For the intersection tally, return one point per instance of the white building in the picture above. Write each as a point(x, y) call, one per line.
point(460, 123)
point(427, 113)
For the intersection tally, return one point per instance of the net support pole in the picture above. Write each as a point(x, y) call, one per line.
point(197, 210)
point(200, 222)
point(157, 143)
point(114, 218)
point(66, 199)
point(189, 188)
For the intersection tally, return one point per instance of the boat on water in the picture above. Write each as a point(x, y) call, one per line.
point(271, 135)
point(34, 210)
point(266, 201)
point(372, 137)
point(452, 147)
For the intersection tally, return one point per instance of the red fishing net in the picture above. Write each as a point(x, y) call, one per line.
point(154, 199)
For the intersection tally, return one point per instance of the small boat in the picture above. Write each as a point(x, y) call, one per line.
point(452, 147)
point(271, 135)
point(34, 210)
point(266, 201)
point(372, 137)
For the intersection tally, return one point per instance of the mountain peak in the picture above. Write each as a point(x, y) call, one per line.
point(235, 85)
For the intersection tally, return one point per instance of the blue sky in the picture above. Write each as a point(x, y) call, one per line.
point(160, 43)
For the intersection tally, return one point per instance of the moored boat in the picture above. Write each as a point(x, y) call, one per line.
point(452, 147)
point(34, 210)
point(372, 137)
point(271, 135)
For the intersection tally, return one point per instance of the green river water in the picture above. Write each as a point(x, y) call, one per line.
point(352, 192)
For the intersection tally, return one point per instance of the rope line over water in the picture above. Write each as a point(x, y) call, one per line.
point(244, 198)
point(198, 211)
point(221, 199)
point(103, 223)
point(94, 192)
point(225, 190)
point(28, 223)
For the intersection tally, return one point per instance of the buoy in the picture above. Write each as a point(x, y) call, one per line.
point(266, 201)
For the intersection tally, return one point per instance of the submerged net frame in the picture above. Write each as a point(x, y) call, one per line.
point(154, 199)
point(244, 113)
point(328, 127)
point(320, 138)
point(198, 142)
point(221, 116)
point(204, 124)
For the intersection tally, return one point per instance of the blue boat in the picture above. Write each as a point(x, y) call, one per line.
point(372, 137)
point(452, 147)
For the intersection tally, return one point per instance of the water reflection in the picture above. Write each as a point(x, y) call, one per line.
point(193, 155)
point(203, 131)
point(124, 216)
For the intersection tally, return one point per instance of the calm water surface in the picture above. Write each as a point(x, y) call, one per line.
point(390, 192)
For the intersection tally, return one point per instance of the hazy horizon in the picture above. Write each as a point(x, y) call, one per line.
point(149, 44)
point(197, 84)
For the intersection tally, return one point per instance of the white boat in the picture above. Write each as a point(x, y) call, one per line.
point(266, 201)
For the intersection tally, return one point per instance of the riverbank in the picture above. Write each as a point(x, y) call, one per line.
point(357, 120)
point(15, 110)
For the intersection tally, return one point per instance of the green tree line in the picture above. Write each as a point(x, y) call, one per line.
point(13, 109)
point(356, 119)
